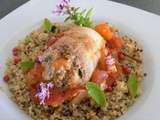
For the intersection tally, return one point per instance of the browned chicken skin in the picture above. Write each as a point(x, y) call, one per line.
point(72, 59)
point(74, 56)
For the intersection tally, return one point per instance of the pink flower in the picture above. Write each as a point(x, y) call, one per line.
point(61, 7)
point(44, 92)
point(110, 60)
point(40, 59)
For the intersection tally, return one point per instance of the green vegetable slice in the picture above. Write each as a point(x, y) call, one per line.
point(47, 25)
point(96, 93)
point(133, 84)
point(27, 65)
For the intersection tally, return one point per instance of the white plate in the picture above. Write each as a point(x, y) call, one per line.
point(137, 23)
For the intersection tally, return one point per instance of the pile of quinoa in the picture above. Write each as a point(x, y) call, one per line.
point(119, 100)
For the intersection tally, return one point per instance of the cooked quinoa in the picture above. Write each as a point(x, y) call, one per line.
point(118, 101)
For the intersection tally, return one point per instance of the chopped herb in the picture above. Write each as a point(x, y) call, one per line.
point(132, 84)
point(27, 65)
point(48, 58)
point(47, 25)
point(96, 93)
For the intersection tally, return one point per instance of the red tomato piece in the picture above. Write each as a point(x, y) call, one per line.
point(116, 42)
point(56, 97)
point(125, 69)
point(102, 60)
point(104, 30)
point(99, 76)
point(15, 51)
point(51, 41)
point(16, 59)
point(6, 78)
point(120, 56)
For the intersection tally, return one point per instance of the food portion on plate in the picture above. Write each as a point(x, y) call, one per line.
point(75, 70)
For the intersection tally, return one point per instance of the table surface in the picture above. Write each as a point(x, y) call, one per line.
point(153, 6)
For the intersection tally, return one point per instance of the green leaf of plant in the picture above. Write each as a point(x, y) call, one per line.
point(27, 65)
point(79, 17)
point(47, 25)
point(133, 84)
point(96, 93)
point(89, 13)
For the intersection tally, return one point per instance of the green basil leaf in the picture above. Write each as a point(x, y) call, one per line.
point(27, 65)
point(133, 84)
point(47, 25)
point(96, 93)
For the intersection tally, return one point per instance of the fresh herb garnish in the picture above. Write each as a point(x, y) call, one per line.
point(27, 65)
point(47, 25)
point(96, 93)
point(81, 18)
point(132, 84)
point(48, 58)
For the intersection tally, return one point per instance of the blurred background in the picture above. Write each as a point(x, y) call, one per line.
point(153, 6)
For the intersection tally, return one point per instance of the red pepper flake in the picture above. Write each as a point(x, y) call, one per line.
point(6, 78)
point(15, 51)
point(126, 69)
point(120, 56)
point(16, 59)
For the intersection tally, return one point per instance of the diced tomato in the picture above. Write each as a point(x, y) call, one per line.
point(110, 83)
point(99, 76)
point(73, 91)
point(120, 56)
point(102, 60)
point(115, 42)
point(16, 59)
point(104, 30)
point(125, 69)
point(56, 97)
point(6, 78)
point(51, 41)
point(117, 73)
point(15, 51)
point(109, 89)
point(34, 76)
point(112, 69)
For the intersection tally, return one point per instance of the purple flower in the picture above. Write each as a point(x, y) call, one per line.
point(109, 60)
point(61, 7)
point(44, 92)
point(40, 59)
